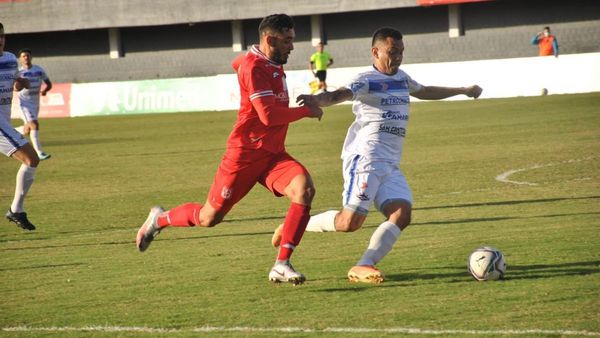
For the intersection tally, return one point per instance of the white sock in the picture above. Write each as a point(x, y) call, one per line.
point(24, 180)
point(20, 129)
point(34, 135)
point(322, 222)
point(381, 243)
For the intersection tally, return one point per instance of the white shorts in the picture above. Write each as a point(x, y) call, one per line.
point(10, 139)
point(368, 181)
point(29, 114)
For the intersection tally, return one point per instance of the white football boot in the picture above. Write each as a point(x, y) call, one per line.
point(149, 230)
point(284, 272)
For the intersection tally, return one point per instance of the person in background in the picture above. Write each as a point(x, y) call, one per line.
point(320, 61)
point(546, 42)
point(30, 99)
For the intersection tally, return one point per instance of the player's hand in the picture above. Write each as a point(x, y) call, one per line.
point(20, 84)
point(474, 91)
point(306, 100)
point(310, 102)
point(315, 111)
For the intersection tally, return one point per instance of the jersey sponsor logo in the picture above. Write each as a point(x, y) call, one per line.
point(394, 115)
point(5, 101)
point(6, 90)
point(394, 130)
point(8, 65)
point(394, 101)
point(275, 75)
point(386, 85)
point(282, 96)
point(356, 86)
point(4, 77)
point(226, 192)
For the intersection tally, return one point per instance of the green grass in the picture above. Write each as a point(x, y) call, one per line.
point(81, 268)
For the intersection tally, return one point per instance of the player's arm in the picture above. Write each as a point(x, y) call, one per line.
point(47, 88)
point(326, 99)
point(536, 38)
point(438, 93)
point(271, 114)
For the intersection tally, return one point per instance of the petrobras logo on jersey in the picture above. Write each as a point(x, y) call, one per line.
point(394, 101)
point(356, 86)
point(394, 115)
point(394, 130)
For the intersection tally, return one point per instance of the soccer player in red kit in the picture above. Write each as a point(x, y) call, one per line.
point(255, 151)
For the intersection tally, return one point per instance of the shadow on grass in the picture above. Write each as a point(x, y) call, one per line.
point(45, 266)
point(132, 241)
point(460, 275)
point(485, 204)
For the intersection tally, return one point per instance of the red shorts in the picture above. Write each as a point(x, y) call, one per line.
point(241, 169)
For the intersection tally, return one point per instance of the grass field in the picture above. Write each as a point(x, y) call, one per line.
point(80, 274)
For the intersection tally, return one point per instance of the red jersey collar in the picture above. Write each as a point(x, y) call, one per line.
point(254, 50)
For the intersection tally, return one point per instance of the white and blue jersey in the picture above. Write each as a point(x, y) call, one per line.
point(10, 139)
point(381, 106)
point(373, 145)
point(30, 98)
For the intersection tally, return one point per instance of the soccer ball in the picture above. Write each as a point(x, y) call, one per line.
point(486, 263)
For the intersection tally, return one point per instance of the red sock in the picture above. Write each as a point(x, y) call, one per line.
point(293, 229)
point(185, 215)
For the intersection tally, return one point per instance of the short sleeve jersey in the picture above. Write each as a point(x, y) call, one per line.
point(259, 77)
point(381, 105)
point(8, 72)
point(30, 98)
point(321, 60)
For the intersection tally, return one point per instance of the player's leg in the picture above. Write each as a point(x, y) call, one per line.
point(289, 178)
point(394, 200)
point(34, 136)
point(13, 144)
point(233, 172)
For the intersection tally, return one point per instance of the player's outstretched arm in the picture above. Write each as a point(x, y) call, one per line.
point(326, 99)
point(438, 93)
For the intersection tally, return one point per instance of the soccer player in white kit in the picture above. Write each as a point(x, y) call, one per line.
point(30, 99)
point(12, 144)
point(373, 148)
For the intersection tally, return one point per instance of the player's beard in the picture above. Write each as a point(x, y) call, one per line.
point(280, 57)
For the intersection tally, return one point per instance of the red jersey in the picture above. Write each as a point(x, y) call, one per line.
point(264, 113)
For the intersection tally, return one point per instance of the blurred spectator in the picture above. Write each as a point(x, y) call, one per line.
point(546, 42)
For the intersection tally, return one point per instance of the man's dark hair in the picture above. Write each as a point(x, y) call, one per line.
point(275, 23)
point(1, 26)
point(386, 32)
point(24, 50)
point(547, 28)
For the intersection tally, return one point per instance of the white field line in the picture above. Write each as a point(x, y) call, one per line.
point(504, 176)
point(217, 329)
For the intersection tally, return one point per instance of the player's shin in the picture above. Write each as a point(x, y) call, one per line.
point(185, 215)
point(25, 177)
point(381, 243)
point(293, 229)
